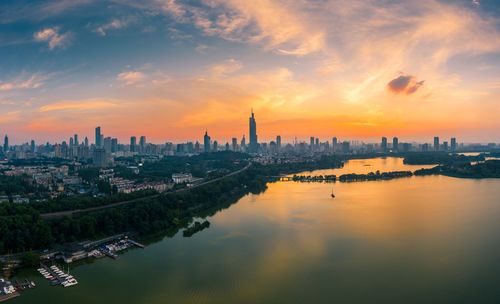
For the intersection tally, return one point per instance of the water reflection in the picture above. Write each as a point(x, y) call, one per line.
point(415, 240)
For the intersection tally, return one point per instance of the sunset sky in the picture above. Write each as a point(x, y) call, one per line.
point(169, 69)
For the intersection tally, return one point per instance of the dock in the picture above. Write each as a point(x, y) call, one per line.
point(9, 296)
point(136, 244)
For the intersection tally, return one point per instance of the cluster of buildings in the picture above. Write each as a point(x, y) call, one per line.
point(128, 186)
point(105, 149)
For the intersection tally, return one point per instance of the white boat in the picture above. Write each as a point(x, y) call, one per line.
point(69, 283)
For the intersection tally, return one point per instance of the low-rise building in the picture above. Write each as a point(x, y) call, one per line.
point(180, 178)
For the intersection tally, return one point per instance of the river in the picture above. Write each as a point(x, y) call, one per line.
point(430, 239)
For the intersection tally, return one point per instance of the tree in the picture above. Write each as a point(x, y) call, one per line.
point(30, 259)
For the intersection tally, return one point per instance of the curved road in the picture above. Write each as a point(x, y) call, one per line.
point(53, 215)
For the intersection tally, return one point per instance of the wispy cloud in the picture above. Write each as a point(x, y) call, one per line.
point(79, 105)
point(22, 82)
point(114, 24)
point(53, 37)
point(131, 77)
point(226, 67)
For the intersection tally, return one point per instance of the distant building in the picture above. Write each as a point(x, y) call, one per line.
point(180, 178)
point(346, 148)
point(252, 125)
point(445, 146)
point(100, 158)
point(436, 143)
point(334, 143)
point(142, 144)
point(75, 140)
point(234, 144)
point(383, 144)
point(206, 142)
point(98, 137)
point(278, 142)
point(133, 144)
point(6, 144)
point(453, 144)
point(395, 144)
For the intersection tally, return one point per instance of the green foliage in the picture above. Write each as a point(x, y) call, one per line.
point(89, 174)
point(439, 158)
point(30, 259)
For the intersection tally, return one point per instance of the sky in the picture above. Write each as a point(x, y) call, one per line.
point(171, 69)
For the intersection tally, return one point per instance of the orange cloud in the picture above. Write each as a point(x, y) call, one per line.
point(80, 105)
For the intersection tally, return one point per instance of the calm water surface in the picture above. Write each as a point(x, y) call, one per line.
point(428, 239)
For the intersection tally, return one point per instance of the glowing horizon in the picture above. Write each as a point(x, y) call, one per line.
point(170, 69)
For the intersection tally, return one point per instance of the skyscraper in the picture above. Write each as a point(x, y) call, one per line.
point(453, 144)
point(436, 143)
point(243, 143)
point(334, 143)
point(278, 142)
point(86, 141)
point(206, 142)
point(253, 145)
point(75, 140)
point(142, 144)
point(395, 144)
point(133, 144)
point(33, 146)
point(383, 144)
point(234, 143)
point(6, 144)
point(98, 137)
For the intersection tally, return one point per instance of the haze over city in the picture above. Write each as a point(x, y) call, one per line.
point(170, 69)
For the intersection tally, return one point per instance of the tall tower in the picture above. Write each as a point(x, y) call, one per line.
point(98, 137)
point(253, 144)
point(383, 145)
point(206, 142)
point(6, 144)
point(133, 144)
point(395, 144)
point(436, 143)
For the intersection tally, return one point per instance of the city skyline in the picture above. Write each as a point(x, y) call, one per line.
point(171, 69)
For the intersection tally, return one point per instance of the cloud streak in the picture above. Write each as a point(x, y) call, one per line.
point(53, 37)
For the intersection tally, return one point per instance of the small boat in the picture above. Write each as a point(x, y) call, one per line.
point(333, 195)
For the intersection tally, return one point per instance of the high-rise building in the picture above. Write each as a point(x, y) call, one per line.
point(227, 146)
point(107, 144)
point(395, 144)
point(71, 142)
point(206, 142)
point(346, 148)
point(100, 157)
point(234, 143)
point(75, 140)
point(436, 143)
point(142, 144)
point(278, 142)
point(445, 146)
point(216, 146)
point(133, 144)
point(33, 146)
point(253, 145)
point(243, 143)
point(86, 141)
point(453, 144)
point(6, 144)
point(98, 137)
point(335, 142)
point(383, 144)
point(114, 145)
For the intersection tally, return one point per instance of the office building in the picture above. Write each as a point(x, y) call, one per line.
point(253, 144)
point(206, 142)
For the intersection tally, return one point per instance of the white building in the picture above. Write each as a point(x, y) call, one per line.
point(180, 178)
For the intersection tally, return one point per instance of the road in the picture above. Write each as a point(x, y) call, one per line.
point(59, 214)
